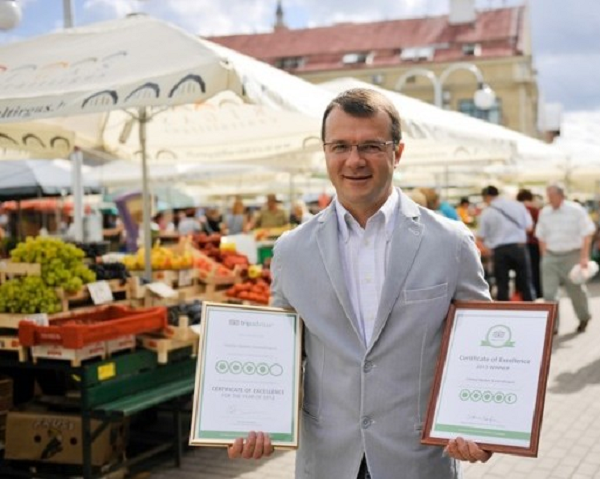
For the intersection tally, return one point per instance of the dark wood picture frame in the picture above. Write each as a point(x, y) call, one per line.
point(551, 309)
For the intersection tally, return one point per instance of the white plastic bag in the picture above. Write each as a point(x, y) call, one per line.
point(579, 276)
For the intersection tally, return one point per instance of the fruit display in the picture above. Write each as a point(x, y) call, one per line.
point(261, 234)
point(61, 263)
point(160, 258)
point(28, 295)
point(210, 268)
point(254, 288)
point(193, 310)
point(108, 271)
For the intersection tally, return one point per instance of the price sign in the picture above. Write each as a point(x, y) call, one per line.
point(39, 319)
point(185, 277)
point(161, 289)
point(100, 292)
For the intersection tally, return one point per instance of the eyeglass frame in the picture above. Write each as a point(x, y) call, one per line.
point(383, 144)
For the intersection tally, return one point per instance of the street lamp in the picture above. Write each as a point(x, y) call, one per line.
point(10, 14)
point(484, 97)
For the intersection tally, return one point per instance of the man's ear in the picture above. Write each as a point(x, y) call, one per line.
point(398, 153)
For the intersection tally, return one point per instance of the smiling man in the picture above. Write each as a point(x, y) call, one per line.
point(372, 276)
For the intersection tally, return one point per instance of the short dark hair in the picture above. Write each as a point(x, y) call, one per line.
point(524, 195)
point(490, 191)
point(365, 103)
point(464, 200)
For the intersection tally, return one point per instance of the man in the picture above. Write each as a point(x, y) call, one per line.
point(372, 276)
point(271, 216)
point(564, 231)
point(503, 229)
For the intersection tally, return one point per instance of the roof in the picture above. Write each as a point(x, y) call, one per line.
point(498, 33)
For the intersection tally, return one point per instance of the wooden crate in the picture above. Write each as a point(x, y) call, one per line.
point(121, 290)
point(181, 332)
point(75, 356)
point(11, 343)
point(163, 346)
point(10, 269)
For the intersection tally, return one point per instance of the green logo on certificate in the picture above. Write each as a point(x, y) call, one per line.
point(498, 336)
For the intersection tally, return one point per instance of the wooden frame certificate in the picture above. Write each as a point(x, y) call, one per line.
point(247, 376)
point(491, 376)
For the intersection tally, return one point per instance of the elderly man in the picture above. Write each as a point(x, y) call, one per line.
point(565, 232)
point(367, 277)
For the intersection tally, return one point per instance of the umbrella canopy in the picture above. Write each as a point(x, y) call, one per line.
point(22, 179)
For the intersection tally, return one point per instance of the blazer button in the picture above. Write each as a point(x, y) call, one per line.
point(367, 366)
point(366, 422)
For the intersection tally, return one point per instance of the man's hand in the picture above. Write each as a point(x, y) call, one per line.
point(466, 451)
point(256, 446)
point(583, 262)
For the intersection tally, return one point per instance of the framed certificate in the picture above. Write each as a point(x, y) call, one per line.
point(247, 376)
point(490, 381)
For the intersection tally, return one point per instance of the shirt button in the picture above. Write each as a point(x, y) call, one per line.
point(367, 366)
point(367, 242)
point(366, 422)
point(368, 279)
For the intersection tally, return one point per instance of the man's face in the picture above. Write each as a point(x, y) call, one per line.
point(554, 197)
point(362, 182)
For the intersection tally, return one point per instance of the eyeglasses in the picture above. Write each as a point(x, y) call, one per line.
point(367, 149)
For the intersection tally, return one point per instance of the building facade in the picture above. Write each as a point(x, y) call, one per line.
point(396, 55)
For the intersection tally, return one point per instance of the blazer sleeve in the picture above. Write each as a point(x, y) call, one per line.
point(471, 284)
point(278, 299)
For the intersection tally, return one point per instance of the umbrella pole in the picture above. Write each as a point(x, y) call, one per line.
point(19, 221)
point(77, 186)
point(143, 119)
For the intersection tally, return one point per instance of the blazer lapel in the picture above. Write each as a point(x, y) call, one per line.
point(327, 241)
point(406, 240)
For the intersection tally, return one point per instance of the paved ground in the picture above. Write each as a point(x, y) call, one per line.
point(570, 441)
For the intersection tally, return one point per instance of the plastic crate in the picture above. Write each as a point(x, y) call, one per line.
point(102, 324)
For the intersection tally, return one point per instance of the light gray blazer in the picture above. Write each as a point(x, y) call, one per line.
point(372, 400)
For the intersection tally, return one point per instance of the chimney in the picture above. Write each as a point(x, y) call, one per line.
point(462, 12)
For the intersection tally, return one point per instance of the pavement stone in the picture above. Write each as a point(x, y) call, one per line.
point(570, 438)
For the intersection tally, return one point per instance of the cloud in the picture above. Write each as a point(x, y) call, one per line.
point(571, 79)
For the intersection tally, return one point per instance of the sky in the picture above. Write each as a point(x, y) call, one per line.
point(565, 34)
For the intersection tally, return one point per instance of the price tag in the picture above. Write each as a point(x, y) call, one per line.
point(100, 292)
point(185, 278)
point(39, 319)
point(161, 289)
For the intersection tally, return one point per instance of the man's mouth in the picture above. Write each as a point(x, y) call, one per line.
point(357, 178)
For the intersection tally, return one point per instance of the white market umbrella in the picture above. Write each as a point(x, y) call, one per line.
point(134, 63)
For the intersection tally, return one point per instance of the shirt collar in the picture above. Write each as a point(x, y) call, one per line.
point(388, 210)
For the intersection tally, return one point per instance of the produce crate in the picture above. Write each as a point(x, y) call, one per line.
point(11, 343)
point(9, 270)
point(104, 323)
point(74, 355)
point(164, 346)
point(121, 290)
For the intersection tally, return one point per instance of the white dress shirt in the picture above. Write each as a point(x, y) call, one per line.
point(497, 229)
point(365, 254)
point(563, 229)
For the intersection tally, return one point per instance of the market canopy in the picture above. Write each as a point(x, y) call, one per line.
point(22, 179)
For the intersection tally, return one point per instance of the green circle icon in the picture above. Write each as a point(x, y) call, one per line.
point(464, 395)
point(262, 369)
point(476, 396)
point(487, 396)
point(498, 397)
point(222, 367)
point(249, 368)
point(276, 370)
point(510, 398)
point(235, 367)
